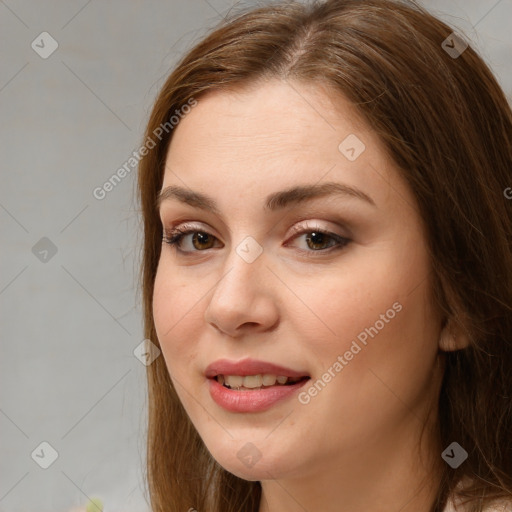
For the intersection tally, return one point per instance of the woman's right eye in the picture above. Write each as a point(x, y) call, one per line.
point(200, 239)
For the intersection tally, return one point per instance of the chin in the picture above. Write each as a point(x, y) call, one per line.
point(250, 463)
point(247, 474)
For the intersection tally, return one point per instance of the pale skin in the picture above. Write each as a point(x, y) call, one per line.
point(354, 446)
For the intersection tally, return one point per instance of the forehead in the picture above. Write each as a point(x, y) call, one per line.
point(272, 135)
point(274, 116)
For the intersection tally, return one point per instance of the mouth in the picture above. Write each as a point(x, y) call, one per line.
point(235, 394)
point(252, 386)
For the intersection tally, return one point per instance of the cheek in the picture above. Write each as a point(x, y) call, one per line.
point(176, 308)
point(177, 296)
point(385, 369)
point(379, 316)
point(388, 346)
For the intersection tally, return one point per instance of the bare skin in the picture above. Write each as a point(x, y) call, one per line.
point(354, 446)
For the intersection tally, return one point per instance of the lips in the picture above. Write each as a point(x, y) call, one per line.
point(249, 367)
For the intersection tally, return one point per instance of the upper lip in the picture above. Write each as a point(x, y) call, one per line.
point(249, 367)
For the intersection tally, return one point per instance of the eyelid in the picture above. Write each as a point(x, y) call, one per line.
point(186, 226)
point(314, 226)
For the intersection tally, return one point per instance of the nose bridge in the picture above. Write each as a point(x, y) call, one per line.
point(249, 250)
point(243, 266)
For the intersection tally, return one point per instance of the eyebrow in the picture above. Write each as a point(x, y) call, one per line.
point(274, 202)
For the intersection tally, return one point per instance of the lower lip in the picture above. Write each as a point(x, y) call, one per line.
point(251, 401)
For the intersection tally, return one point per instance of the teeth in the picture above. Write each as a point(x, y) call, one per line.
point(254, 381)
point(233, 381)
point(269, 380)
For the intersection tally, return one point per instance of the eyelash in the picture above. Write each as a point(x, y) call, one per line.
point(175, 236)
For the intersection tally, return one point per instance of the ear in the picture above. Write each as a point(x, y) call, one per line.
point(453, 336)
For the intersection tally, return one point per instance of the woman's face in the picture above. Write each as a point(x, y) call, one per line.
point(329, 282)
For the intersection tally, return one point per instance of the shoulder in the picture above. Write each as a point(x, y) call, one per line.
point(454, 504)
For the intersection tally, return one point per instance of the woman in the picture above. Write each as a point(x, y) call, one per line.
point(327, 267)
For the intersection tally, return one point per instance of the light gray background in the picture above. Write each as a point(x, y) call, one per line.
point(69, 325)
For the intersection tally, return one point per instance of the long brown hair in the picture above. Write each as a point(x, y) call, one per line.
point(448, 126)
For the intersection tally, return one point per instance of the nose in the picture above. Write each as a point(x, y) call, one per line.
point(244, 299)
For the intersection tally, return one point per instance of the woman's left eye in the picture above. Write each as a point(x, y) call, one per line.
point(317, 239)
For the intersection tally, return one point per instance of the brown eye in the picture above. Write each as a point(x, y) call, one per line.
point(319, 240)
point(200, 241)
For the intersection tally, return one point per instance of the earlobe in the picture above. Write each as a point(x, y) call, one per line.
point(453, 337)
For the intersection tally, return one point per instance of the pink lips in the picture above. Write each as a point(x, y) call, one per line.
point(256, 400)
